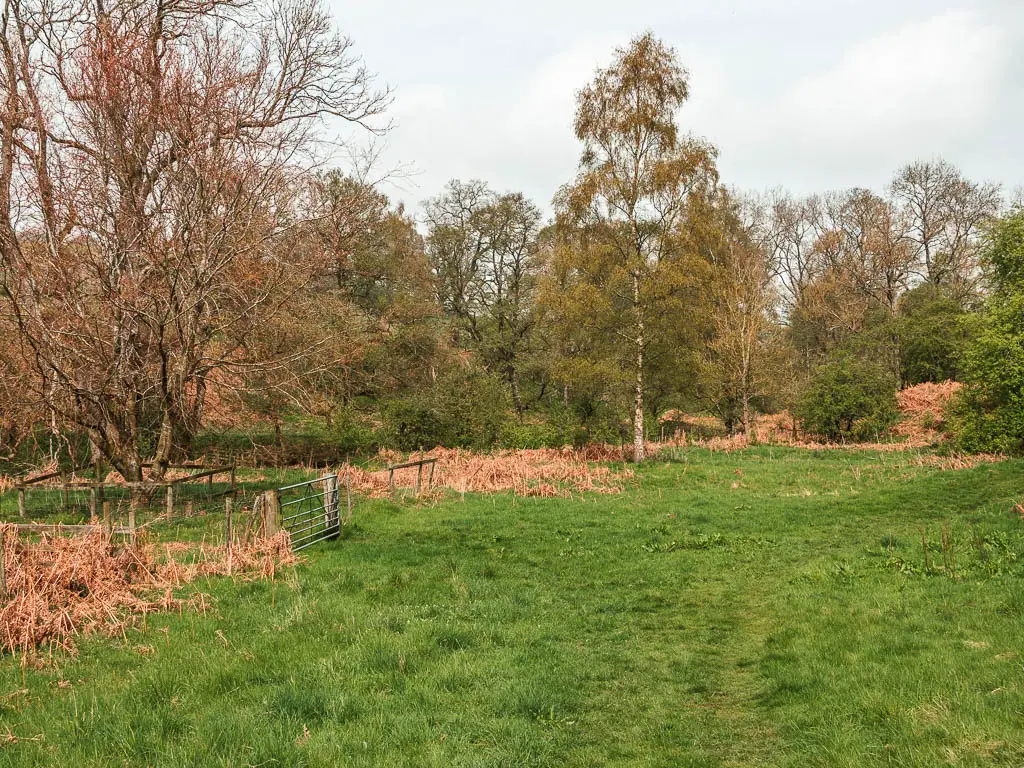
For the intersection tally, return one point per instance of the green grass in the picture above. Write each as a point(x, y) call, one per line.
point(771, 607)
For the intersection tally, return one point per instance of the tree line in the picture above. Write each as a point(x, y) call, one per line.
point(177, 257)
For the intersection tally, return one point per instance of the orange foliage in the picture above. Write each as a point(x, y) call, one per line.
point(63, 586)
point(922, 408)
point(532, 472)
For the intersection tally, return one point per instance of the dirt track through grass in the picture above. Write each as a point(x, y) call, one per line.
point(768, 607)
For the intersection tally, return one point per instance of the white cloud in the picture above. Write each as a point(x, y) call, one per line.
point(515, 133)
point(935, 75)
point(917, 91)
point(417, 99)
point(807, 94)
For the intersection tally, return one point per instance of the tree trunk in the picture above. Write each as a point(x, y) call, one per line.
point(119, 449)
point(128, 463)
point(639, 452)
point(164, 446)
point(746, 414)
point(745, 394)
point(132, 469)
point(517, 400)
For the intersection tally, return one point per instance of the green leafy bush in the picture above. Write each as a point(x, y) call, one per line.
point(932, 333)
point(989, 413)
point(460, 410)
point(849, 398)
point(544, 435)
point(350, 433)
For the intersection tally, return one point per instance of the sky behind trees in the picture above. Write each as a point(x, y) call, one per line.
point(810, 95)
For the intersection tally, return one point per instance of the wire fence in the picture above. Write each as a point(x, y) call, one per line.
point(56, 499)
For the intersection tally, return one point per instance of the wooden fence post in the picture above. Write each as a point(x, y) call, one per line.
point(332, 501)
point(96, 499)
point(3, 564)
point(106, 518)
point(348, 493)
point(271, 513)
point(170, 500)
point(131, 515)
point(21, 502)
point(227, 521)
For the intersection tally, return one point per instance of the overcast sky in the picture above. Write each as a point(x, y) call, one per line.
point(809, 95)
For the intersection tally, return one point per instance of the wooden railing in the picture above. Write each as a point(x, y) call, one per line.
point(419, 464)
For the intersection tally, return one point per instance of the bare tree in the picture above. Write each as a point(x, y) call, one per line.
point(456, 245)
point(945, 213)
point(154, 157)
point(867, 244)
point(787, 230)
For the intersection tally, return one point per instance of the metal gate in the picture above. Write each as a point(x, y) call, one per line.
point(311, 511)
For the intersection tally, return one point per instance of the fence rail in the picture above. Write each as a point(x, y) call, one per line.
point(180, 492)
point(419, 464)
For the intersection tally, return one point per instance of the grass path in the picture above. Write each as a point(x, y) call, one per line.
point(763, 608)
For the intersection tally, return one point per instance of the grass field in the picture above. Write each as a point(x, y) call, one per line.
point(770, 607)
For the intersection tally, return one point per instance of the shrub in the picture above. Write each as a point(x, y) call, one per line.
point(848, 398)
point(989, 413)
point(544, 435)
point(932, 334)
point(350, 434)
point(460, 410)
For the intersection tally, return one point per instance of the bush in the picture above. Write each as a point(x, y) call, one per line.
point(849, 398)
point(546, 435)
point(460, 410)
point(989, 413)
point(350, 434)
point(561, 426)
point(932, 335)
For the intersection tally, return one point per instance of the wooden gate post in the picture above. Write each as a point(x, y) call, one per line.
point(332, 501)
point(348, 495)
point(271, 513)
point(325, 485)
